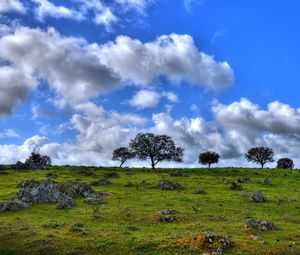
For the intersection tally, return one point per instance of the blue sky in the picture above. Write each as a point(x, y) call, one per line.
point(80, 78)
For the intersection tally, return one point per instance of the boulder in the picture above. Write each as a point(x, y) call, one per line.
point(65, 202)
point(85, 172)
point(219, 243)
point(235, 186)
point(112, 175)
point(101, 182)
point(257, 196)
point(246, 178)
point(261, 225)
point(168, 185)
point(167, 215)
point(266, 182)
point(228, 182)
point(12, 206)
point(175, 174)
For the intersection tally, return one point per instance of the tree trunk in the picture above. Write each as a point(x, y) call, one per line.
point(209, 165)
point(152, 163)
point(262, 165)
point(122, 163)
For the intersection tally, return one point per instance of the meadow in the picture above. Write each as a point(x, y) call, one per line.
point(128, 223)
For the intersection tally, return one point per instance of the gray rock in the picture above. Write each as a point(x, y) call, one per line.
point(167, 215)
point(175, 174)
point(85, 172)
point(144, 182)
point(168, 185)
point(246, 178)
point(221, 243)
point(266, 182)
point(235, 186)
point(101, 182)
point(228, 182)
point(129, 184)
point(12, 206)
point(258, 197)
point(93, 201)
point(65, 202)
point(262, 225)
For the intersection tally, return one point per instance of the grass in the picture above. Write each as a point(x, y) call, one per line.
point(127, 223)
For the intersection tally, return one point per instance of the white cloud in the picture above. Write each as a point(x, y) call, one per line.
point(174, 56)
point(48, 9)
point(279, 118)
point(78, 71)
point(150, 99)
point(67, 64)
point(9, 133)
point(106, 18)
point(145, 99)
point(189, 4)
point(138, 5)
point(11, 6)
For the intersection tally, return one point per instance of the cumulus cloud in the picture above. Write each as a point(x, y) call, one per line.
point(145, 99)
point(14, 87)
point(78, 71)
point(150, 99)
point(65, 62)
point(48, 9)
point(174, 56)
point(138, 5)
point(106, 18)
point(278, 118)
point(11, 6)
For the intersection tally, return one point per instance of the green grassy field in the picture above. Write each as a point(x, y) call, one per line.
point(127, 223)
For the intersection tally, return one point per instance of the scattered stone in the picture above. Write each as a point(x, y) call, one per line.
point(168, 185)
point(129, 184)
point(101, 182)
point(210, 242)
point(262, 225)
point(266, 182)
point(66, 202)
point(129, 172)
point(235, 186)
point(257, 196)
point(201, 191)
point(167, 215)
point(12, 206)
point(175, 174)
point(112, 175)
point(29, 166)
point(31, 191)
point(85, 172)
point(93, 201)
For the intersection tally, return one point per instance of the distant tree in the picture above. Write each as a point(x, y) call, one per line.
point(155, 147)
point(260, 155)
point(208, 158)
point(38, 159)
point(285, 163)
point(122, 154)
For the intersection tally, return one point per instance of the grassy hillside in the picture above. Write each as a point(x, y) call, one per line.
point(129, 222)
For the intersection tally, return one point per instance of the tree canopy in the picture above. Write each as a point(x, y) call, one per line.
point(155, 147)
point(285, 163)
point(122, 154)
point(260, 155)
point(208, 158)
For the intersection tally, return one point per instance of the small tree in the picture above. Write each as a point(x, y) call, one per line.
point(260, 155)
point(155, 147)
point(285, 163)
point(37, 158)
point(122, 154)
point(208, 158)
